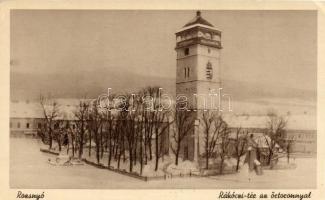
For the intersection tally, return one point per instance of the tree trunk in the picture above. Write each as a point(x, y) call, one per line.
point(288, 153)
point(115, 149)
point(238, 161)
point(119, 159)
point(221, 164)
point(50, 139)
point(130, 159)
point(270, 157)
point(97, 146)
point(141, 156)
point(89, 146)
point(135, 152)
point(145, 150)
point(110, 149)
point(150, 149)
point(72, 145)
point(68, 146)
point(59, 143)
point(207, 159)
point(81, 142)
point(157, 152)
point(101, 143)
point(207, 151)
point(177, 154)
point(124, 157)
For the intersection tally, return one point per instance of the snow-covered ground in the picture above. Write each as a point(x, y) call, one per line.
point(29, 169)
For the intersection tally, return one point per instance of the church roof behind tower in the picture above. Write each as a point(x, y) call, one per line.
point(198, 20)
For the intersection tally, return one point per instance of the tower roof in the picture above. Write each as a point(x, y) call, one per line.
point(198, 20)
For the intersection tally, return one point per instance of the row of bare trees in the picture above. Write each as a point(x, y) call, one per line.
point(135, 131)
point(139, 131)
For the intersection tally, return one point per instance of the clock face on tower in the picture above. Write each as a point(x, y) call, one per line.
point(209, 71)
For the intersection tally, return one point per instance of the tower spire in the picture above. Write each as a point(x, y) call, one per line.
point(198, 19)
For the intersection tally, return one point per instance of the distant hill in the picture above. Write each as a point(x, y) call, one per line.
point(92, 84)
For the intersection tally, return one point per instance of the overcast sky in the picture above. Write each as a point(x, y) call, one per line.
point(81, 48)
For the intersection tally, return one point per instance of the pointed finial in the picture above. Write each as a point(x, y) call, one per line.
point(198, 13)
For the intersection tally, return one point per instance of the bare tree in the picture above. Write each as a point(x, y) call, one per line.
point(240, 145)
point(223, 132)
point(161, 122)
point(184, 124)
point(58, 132)
point(129, 119)
point(158, 119)
point(276, 128)
point(95, 125)
point(111, 135)
point(81, 115)
point(212, 127)
point(149, 101)
point(71, 133)
point(50, 111)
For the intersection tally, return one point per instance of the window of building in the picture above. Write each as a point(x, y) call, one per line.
point(39, 125)
point(186, 72)
point(209, 50)
point(18, 125)
point(209, 71)
point(27, 125)
point(10, 124)
point(186, 51)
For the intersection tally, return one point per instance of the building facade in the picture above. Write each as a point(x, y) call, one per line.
point(25, 118)
point(198, 48)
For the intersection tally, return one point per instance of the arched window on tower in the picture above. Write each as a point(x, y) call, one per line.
point(209, 71)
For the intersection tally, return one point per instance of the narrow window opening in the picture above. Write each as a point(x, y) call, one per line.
point(209, 72)
point(186, 51)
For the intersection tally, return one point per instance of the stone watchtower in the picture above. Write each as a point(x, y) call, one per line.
point(198, 46)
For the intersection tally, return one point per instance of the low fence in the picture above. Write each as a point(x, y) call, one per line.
point(101, 166)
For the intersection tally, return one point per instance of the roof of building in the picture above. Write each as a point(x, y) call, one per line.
point(26, 109)
point(23, 109)
point(294, 122)
point(198, 19)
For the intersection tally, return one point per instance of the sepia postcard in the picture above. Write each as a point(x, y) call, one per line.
point(147, 101)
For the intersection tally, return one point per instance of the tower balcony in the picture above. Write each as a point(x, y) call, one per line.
point(199, 40)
